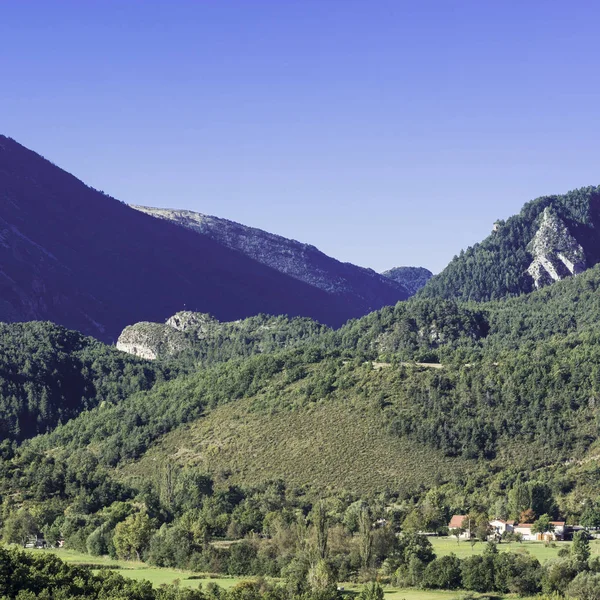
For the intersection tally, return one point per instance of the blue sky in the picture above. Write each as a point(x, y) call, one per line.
point(383, 132)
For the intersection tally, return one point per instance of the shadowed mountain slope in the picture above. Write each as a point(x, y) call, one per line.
point(75, 256)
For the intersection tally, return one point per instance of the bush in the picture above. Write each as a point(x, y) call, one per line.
point(443, 573)
point(586, 586)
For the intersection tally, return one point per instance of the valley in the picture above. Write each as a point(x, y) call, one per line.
point(268, 444)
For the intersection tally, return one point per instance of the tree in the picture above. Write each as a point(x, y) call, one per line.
point(519, 498)
point(319, 520)
point(581, 546)
point(19, 527)
point(443, 573)
point(542, 525)
point(132, 536)
point(365, 538)
point(527, 516)
point(586, 586)
point(457, 532)
point(322, 581)
point(371, 591)
point(590, 518)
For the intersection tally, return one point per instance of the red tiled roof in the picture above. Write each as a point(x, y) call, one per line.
point(558, 523)
point(456, 522)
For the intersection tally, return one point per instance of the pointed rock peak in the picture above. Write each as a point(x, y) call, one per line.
point(556, 253)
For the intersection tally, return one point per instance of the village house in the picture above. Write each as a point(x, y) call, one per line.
point(500, 526)
point(549, 536)
point(460, 522)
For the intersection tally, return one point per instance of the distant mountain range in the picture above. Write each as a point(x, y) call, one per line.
point(411, 278)
point(75, 256)
point(365, 289)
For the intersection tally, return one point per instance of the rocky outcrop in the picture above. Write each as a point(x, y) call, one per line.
point(556, 253)
point(152, 340)
point(304, 262)
point(204, 337)
point(411, 278)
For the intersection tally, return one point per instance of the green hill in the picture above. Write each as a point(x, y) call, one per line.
point(49, 375)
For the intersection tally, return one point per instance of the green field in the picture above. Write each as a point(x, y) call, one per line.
point(140, 570)
point(445, 546)
point(442, 546)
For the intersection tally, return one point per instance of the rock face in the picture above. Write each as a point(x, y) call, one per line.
point(152, 340)
point(556, 253)
point(303, 262)
point(411, 278)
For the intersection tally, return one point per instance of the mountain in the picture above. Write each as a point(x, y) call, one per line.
point(416, 412)
point(75, 256)
point(411, 278)
point(553, 237)
point(363, 288)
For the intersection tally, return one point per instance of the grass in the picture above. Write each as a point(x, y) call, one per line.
point(445, 546)
point(335, 445)
point(393, 593)
point(141, 571)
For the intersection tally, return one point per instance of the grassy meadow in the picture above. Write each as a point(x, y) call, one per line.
point(442, 546)
point(541, 551)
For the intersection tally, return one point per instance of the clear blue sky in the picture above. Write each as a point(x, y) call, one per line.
point(384, 132)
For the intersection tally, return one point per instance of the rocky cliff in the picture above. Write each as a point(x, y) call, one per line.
point(556, 253)
point(551, 238)
point(203, 337)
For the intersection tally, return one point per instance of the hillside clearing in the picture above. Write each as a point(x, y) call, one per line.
point(330, 445)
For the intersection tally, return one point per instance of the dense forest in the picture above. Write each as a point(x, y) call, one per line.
point(49, 375)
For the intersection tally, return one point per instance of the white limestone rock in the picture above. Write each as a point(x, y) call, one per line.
point(556, 253)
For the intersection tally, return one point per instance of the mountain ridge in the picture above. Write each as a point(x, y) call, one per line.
point(75, 256)
point(304, 262)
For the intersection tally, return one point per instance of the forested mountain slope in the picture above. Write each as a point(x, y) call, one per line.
point(49, 375)
point(461, 409)
point(506, 420)
point(553, 237)
point(74, 256)
point(364, 288)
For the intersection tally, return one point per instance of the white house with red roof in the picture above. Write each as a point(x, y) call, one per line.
point(500, 526)
point(461, 522)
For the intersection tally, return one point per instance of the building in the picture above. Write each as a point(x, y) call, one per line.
point(461, 522)
point(549, 536)
point(500, 527)
point(524, 530)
